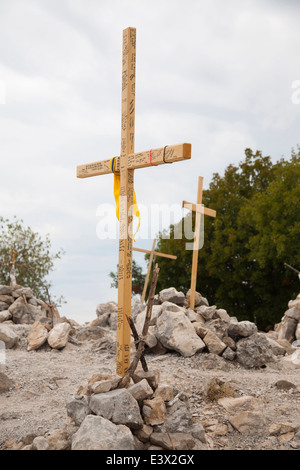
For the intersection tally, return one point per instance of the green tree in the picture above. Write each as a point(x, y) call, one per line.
point(138, 278)
point(34, 261)
point(256, 230)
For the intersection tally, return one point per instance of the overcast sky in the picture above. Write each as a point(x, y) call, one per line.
point(217, 74)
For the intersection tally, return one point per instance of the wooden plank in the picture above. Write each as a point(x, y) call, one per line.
point(126, 200)
point(173, 153)
point(201, 209)
point(156, 253)
point(196, 245)
point(148, 270)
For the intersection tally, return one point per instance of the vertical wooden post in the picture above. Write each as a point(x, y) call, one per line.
point(196, 245)
point(148, 271)
point(126, 200)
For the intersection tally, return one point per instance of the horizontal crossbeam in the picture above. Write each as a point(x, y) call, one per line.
point(199, 208)
point(155, 253)
point(154, 157)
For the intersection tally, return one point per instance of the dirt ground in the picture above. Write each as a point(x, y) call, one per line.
point(45, 379)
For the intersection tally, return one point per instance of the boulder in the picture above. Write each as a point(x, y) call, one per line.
point(144, 433)
point(178, 418)
point(180, 441)
point(78, 409)
point(229, 354)
point(287, 329)
point(25, 313)
point(58, 336)
point(164, 391)
point(36, 336)
point(171, 307)
point(198, 298)
point(254, 351)
point(243, 403)
point(5, 315)
point(154, 411)
point(22, 291)
point(241, 329)
point(3, 306)
point(106, 308)
point(172, 295)
point(8, 336)
point(293, 312)
point(297, 332)
point(213, 343)
point(249, 422)
point(98, 433)
point(176, 332)
point(141, 390)
point(206, 312)
point(102, 383)
point(118, 406)
point(276, 348)
point(222, 315)
point(5, 290)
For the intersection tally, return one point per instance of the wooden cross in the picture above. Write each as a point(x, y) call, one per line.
point(199, 209)
point(152, 254)
point(125, 164)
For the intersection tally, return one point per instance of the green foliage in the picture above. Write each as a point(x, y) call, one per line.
point(138, 278)
point(33, 261)
point(257, 229)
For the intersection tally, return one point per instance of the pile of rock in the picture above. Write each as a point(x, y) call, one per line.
point(18, 306)
point(144, 415)
point(175, 327)
point(289, 327)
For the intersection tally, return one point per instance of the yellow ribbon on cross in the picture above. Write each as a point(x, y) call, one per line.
point(117, 186)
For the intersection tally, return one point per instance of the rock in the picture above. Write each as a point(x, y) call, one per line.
point(141, 390)
point(101, 383)
point(198, 298)
point(276, 348)
point(24, 313)
point(107, 308)
point(154, 411)
point(40, 443)
point(293, 360)
point(294, 303)
point(244, 403)
point(229, 342)
point(103, 320)
point(58, 440)
point(277, 429)
point(8, 299)
point(159, 349)
point(222, 315)
point(5, 315)
point(144, 433)
point(253, 351)
point(206, 312)
point(193, 316)
point(164, 391)
point(241, 329)
point(175, 332)
point(118, 406)
point(229, 354)
point(213, 343)
point(178, 418)
point(200, 329)
point(180, 441)
point(172, 295)
point(249, 422)
point(5, 290)
point(97, 433)
point(293, 312)
point(90, 332)
point(297, 332)
point(37, 336)
point(218, 326)
point(5, 383)
point(284, 385)
point(58, 336)
point(288, 329)
point(22, 291)
point(8, 336)
point(152, 377)
point(171, 307)
point(78, 409)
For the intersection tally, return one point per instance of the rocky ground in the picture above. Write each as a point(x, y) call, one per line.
point(44, 380)
point(237, 388)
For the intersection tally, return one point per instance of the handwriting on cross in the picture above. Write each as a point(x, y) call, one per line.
point(125, 164)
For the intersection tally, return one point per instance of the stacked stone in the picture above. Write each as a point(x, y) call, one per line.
point(289, 327)
point(175, 327)
point(145, 415)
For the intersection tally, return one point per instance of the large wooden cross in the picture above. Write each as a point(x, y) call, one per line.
point(199, 209)
point(152, 254)
point(125, 164)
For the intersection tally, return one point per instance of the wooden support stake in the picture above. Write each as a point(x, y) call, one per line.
point(141, 345)
point(136, 340)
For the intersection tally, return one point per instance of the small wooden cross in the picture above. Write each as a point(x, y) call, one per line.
point(152, 254)
point(199, 209)
point(125, 164)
